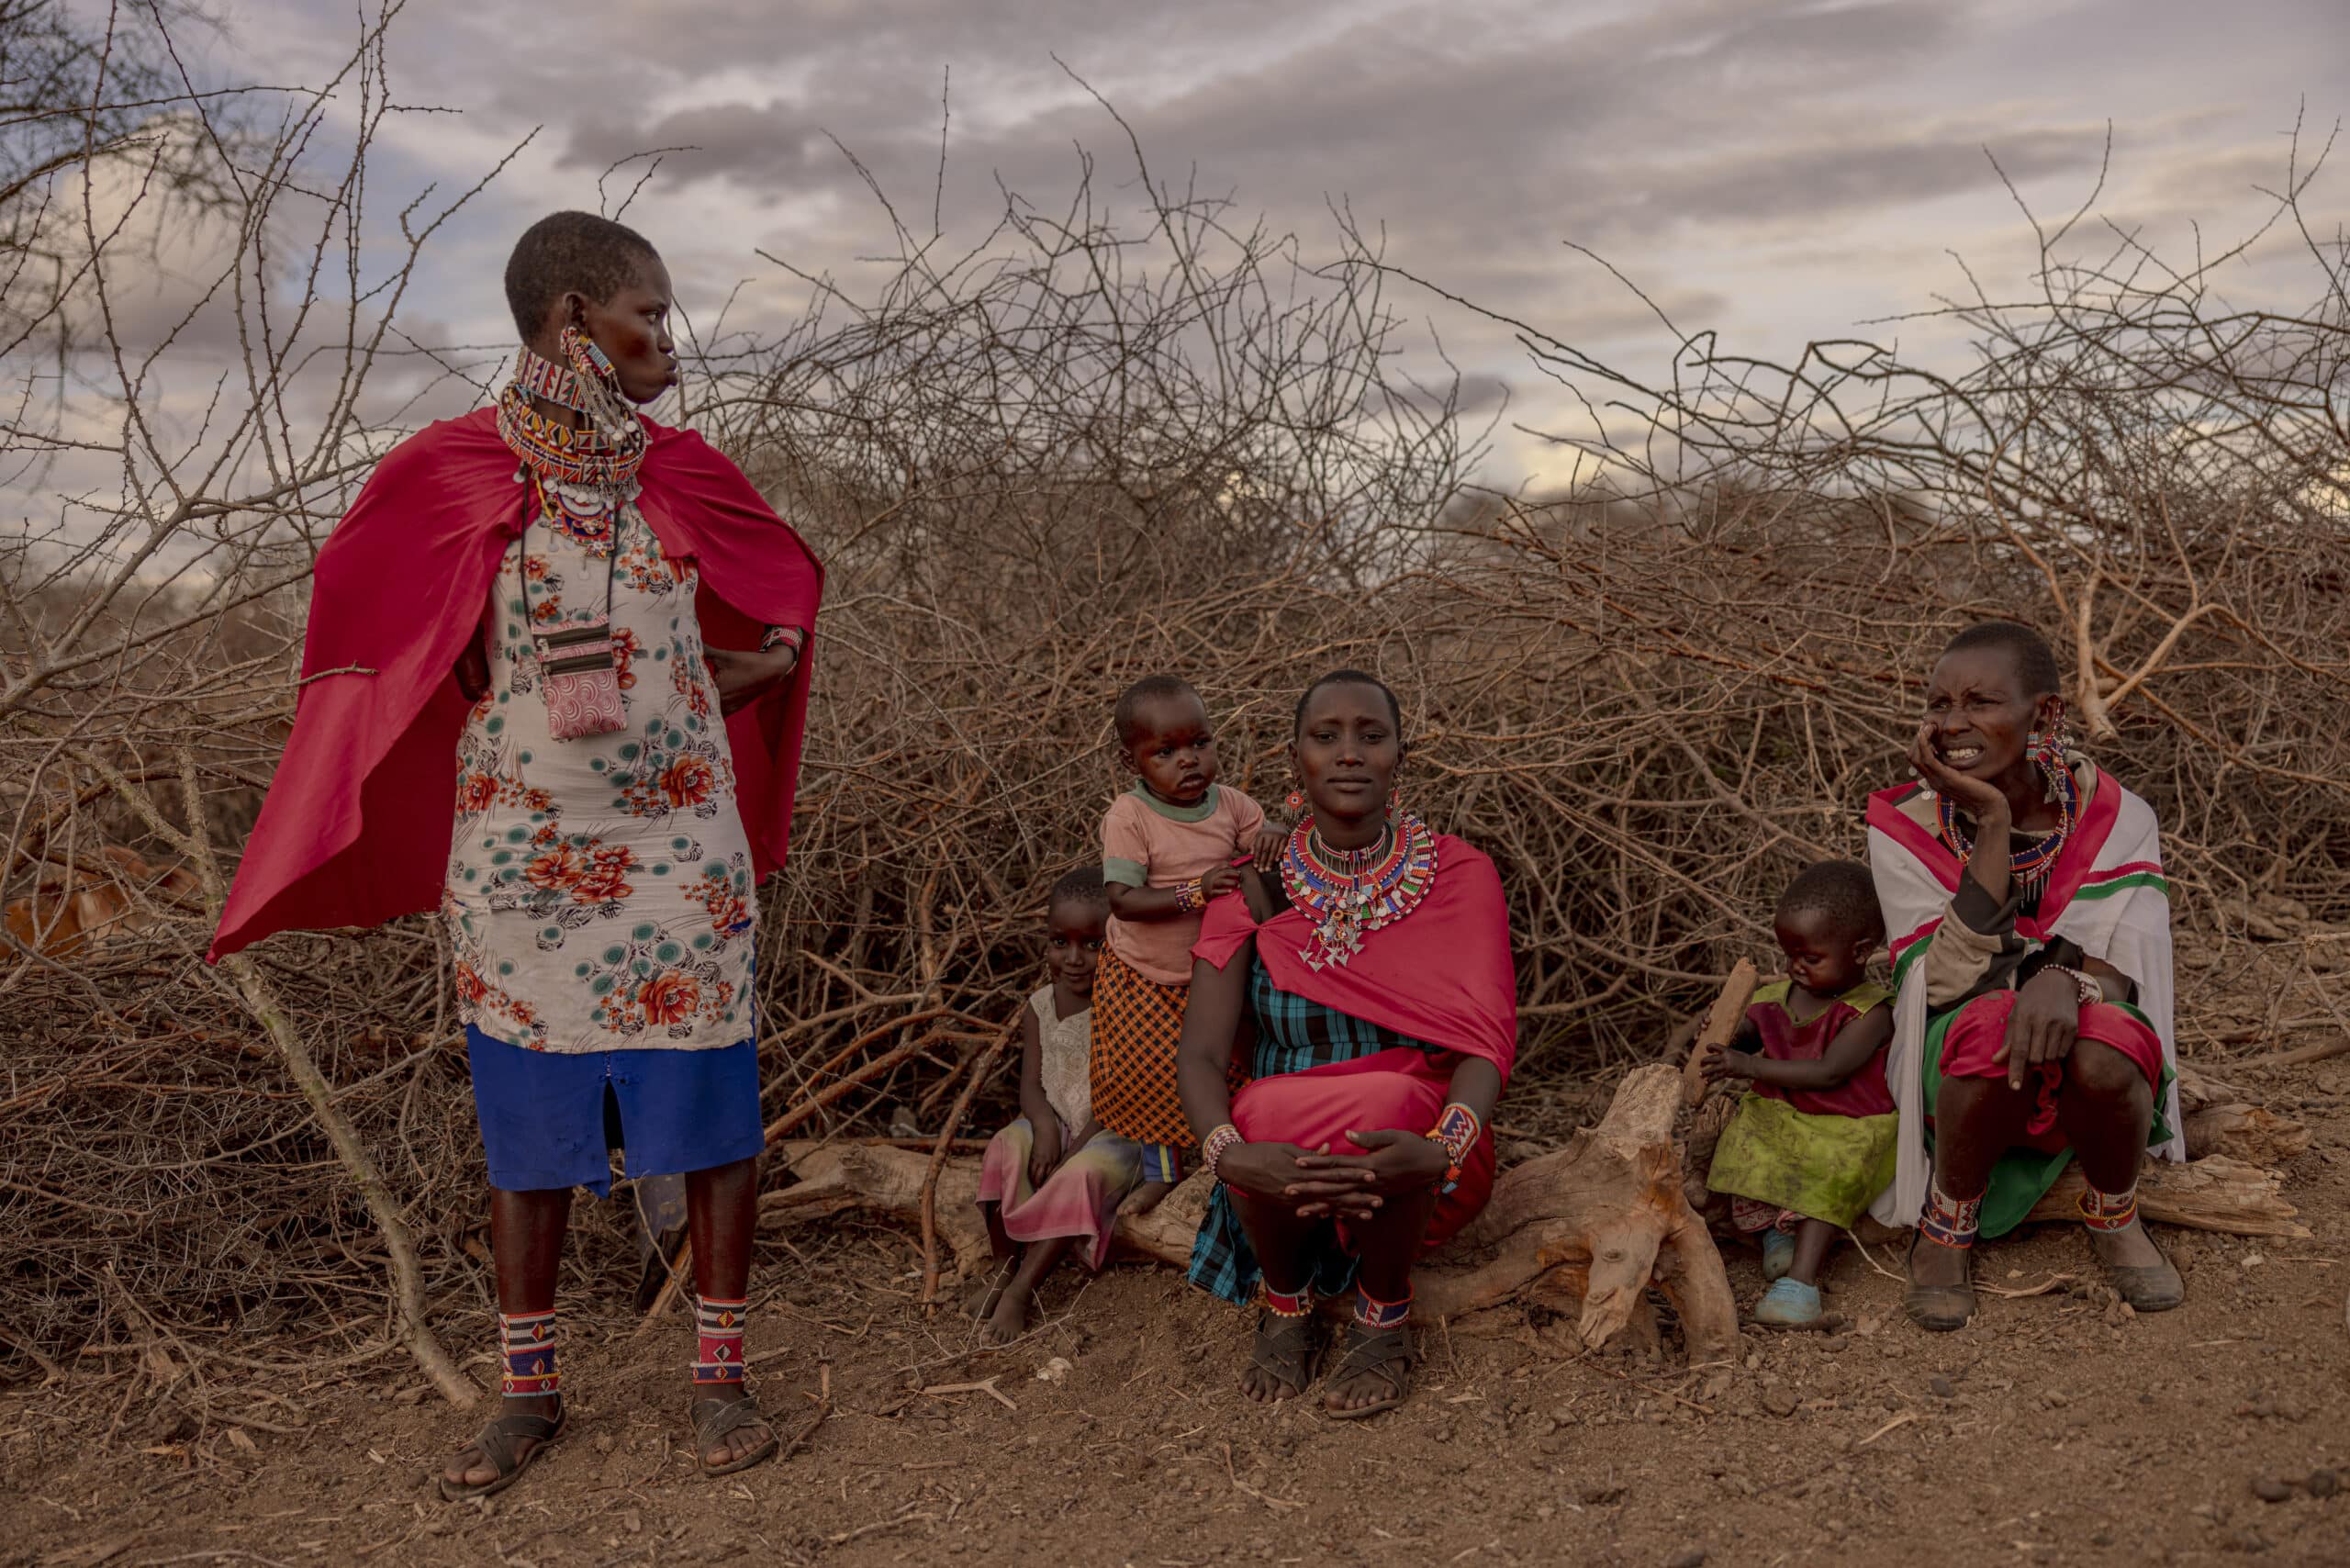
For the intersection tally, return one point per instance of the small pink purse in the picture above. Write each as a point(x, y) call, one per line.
point(578, 673)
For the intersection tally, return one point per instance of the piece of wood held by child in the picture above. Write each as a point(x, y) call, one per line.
point(1721, 1023)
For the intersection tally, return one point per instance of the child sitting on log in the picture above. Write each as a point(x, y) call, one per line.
point(1168, 846)
point(1054, 1179)
point(1814, 1141)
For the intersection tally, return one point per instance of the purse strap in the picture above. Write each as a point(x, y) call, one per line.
point(611, 567)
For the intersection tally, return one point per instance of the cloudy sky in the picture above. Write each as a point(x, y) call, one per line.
point(1778, 170)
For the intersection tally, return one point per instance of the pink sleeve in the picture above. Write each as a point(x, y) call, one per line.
point(1247, 819)
point(1125, 844)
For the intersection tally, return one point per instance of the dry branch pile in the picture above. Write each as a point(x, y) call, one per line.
point(1090, 446)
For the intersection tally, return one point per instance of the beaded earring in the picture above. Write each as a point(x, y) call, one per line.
point(1296, 801)
point(586, 357)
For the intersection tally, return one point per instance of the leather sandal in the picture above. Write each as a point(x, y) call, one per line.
point(2147, 1287)
point(1285, 1349)
point(1937, 1308)
point(1388, 1354)
point(495, 1442)
point(715, 1418)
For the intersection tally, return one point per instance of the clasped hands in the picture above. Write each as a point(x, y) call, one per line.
point(1320, 1183)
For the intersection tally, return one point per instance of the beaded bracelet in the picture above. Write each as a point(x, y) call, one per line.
point(1191, 897)
point(1456, 1133)
point(1212, 1148)
point(2088, 990)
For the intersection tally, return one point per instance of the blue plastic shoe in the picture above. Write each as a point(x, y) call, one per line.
point(1778, 1253)
point(1788, 1304)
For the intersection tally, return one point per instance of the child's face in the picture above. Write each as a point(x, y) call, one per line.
point(1073, 944)
point(1821, 957)
point(1174, 750)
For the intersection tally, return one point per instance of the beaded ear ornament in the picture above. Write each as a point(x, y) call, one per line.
point(1348, 895)
point(606, 450)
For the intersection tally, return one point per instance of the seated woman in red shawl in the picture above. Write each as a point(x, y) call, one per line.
point(554, 689)
point(1379, 1009)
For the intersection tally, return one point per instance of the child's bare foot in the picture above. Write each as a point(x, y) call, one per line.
point(983, 1301)
point(1008, 1319)
point(1144, 1198)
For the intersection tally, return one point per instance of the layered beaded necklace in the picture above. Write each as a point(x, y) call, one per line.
point(1348, 894)
point(606, 451)
point(2032, 862)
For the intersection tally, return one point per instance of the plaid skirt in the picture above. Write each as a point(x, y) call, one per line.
point(1136, 1024)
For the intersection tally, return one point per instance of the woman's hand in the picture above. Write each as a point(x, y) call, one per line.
point(1267, 849)
point(1218, 880)
point(1043, 1149)
point(472, 671)
point(1393, 1162)
point(1978, 798)
point(744, 676)
point(1278, 1173)
point(2043, 1025)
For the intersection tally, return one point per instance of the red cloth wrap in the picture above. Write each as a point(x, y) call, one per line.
point(356, 830)
point(1971, 1049)
point(1443, 974)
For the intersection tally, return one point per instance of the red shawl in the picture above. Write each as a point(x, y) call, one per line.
point(1442, 974)
point(356, 830)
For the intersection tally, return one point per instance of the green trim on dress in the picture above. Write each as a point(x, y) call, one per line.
point(1199, 813)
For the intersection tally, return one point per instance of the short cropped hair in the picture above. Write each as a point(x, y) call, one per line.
point(1348, 677)
point(1843, 892)
point(1126, 718)
point(1083, 885)
point(569, 250)
point(2035, 661)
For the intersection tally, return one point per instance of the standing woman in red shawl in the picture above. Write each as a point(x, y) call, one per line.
point(1380, 1009)
point(555, 687)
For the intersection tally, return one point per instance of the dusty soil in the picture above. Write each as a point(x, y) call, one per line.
point(2056, 1428)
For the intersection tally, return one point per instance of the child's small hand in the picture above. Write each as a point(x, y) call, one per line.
point(1219, 881)
point(1270, 843)
point(1720, 1062)
point(1044, 1152)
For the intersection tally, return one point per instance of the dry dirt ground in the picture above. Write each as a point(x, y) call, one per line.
point(2054, 1429)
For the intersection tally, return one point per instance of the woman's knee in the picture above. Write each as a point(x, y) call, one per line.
point(2104, 1074)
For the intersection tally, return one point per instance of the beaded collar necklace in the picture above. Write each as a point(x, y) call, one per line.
point(1348, 894)
point(2032, 862)
point(606, 451)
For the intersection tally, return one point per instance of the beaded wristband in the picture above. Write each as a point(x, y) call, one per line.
point(1212, 1148)
point(2087, 987)
point(1191, 897)
point(1456, 1133)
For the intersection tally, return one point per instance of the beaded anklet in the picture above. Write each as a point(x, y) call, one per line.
point(526, 1346)
point(1374, 1314)
point(1290, 1304)
point(2109, 1211)
point(718, 1335)
point(1950, 1222)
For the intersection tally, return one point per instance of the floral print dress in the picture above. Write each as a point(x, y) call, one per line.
point(599, 890)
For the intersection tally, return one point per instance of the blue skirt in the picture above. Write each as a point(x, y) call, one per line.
point(551, 1119)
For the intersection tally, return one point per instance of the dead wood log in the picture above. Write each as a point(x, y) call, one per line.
point(2247, 1133)
point(1583, 1229)
point(2215, 1194)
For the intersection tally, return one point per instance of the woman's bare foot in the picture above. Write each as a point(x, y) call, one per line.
point(981, 1303)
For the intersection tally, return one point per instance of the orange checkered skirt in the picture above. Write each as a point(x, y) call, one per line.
point(1136, 1025)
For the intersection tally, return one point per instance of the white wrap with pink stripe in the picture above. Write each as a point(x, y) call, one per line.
point(2107, 893)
